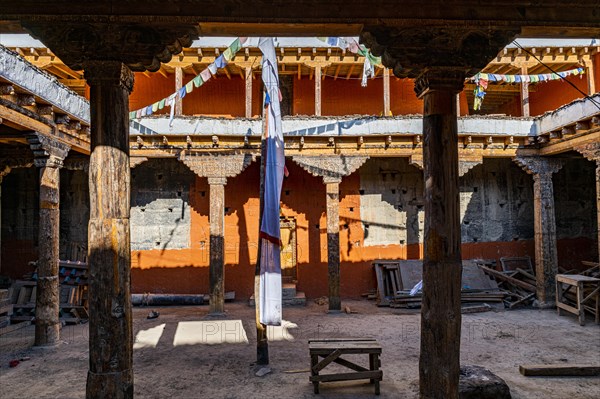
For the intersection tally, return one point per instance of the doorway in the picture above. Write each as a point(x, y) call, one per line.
point(288, 250)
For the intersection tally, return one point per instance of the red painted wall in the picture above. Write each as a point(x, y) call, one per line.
point(553, 94)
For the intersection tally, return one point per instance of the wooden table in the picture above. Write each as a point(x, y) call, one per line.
point(579, 282)
point(331, 351)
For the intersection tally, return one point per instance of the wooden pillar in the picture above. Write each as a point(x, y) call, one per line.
point(109, 251)
point(546, 257)
point(524, 94)
point(591, 78)
point(440, 313)
point(178, 86)
point(49, 156)
point(248, 92)
point(386, 92)
point(332, 190)
point(217, 244)
point(318, 90)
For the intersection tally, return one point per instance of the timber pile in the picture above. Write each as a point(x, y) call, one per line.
point(73, 277)
point(395, 279)
point(518, 285)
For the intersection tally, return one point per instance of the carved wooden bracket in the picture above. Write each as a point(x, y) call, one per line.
point(539, 166)
point(440, 78)
point(136, 161)
point(47, 152)
point(409, 50)
point(10, 160)
point(217, 165)
point(330, 167)
point(590, 151)
point(140, 46)
point(465, 166)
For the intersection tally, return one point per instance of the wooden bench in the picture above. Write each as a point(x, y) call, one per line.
point(579, 282)
point(331, 351)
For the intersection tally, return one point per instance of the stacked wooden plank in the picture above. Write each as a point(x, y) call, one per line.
point(73, 277)
point(395, 279)
point(518, 285)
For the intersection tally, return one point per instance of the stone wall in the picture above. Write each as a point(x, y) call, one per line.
point(160, 206)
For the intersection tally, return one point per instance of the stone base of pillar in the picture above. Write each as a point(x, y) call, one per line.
point(116, 385)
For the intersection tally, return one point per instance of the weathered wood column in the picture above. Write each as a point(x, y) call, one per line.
point(332, 194)
point(332, 168)
point(49, 156)
point(386, 92)
point(217, 168)
point(546, 256)
point(248, 92)
point(109, 250)
point(217, 244)
point(592, 153)
point(439, 364)
point(178, 86)
point(318, 90)
point(524, 93)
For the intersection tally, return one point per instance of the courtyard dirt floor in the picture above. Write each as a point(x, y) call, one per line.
point(185, 354)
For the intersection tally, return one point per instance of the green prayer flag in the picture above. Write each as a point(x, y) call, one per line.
point(161, 104)
point(189, 87)
point(198, 81)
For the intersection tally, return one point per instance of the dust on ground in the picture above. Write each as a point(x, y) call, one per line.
point(185, 354)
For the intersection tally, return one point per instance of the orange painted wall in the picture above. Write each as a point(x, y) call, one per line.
point(365, 100)
point(553, 94)
point(219, 96)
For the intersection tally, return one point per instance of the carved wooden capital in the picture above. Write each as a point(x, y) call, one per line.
point(113, 73)
point(440, 78)
point(590, 151)
point(141, 47)
point(330, 167)
point(216, 165)
point(538, 166)
point(47, 152)
point(409, 50)
point(219, 181)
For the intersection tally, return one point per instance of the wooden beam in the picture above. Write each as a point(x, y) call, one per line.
point(350, 70)
point(337, 72)
point(559, 370)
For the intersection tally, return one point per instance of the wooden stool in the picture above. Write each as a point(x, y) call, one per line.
point(579, 282)
point(332, 349)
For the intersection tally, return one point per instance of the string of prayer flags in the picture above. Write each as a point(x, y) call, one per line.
point(196, 82)
point(350, 44)
point(481, 81)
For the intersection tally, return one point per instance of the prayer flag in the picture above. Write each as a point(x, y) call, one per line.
point(189, 87)
point(198, 81)
point(270, 264)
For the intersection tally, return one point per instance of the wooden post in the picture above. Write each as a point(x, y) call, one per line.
point(332, 190)
point(524, 93)
point(248, 92)
point(109, 250)
point(598, 205)
point(546, 257)
point(318, 90)
point(262, 343)
point(178, 86)
point(439, 364)
point(49, 156)
point(217, 245)
point(386, 92)
point(591, 78)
